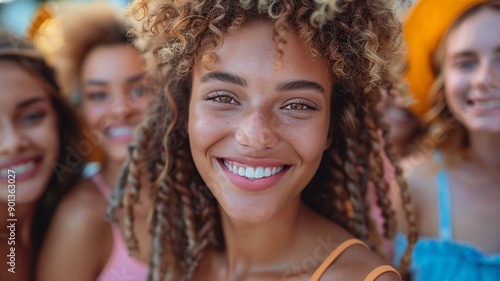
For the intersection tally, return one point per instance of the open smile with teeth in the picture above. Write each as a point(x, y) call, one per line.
point(19, 169)
point(490, 104)
point(250, 172)
point(120, 131)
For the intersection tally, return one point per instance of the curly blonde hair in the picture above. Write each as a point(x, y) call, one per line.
point(358, 39)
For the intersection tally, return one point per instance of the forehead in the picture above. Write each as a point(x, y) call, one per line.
point(252, 51)
point(19, 84)
point(478, 31)
point(108, 62)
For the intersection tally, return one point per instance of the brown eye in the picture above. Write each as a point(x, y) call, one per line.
point(297, 106)
point(224, 99)
point(300, 104)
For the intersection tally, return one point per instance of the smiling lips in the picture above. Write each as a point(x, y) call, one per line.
point(488, 104)
point(252, 173)
point(252, 178)
point(22, 169)
point(121, 134)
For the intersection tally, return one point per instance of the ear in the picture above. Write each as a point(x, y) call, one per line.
point(328, 140)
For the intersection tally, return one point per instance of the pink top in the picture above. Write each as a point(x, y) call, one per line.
point(120, 266)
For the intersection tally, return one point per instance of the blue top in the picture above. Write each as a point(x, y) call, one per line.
point(441, 258)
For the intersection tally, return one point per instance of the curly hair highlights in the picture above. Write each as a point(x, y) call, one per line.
point(22, 52)
point(358, 39)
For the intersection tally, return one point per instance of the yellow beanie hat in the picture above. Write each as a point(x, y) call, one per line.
point(424, 26)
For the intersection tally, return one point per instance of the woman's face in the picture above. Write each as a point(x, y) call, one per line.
point(258, 132)
point(472, 72)
point(29, 142)
point(113, 96)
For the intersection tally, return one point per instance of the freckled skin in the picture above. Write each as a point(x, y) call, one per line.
point(259, 126)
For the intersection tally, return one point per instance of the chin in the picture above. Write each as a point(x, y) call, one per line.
point(29, 191)
point(247, 214)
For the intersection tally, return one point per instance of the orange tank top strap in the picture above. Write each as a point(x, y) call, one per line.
point(338, 251)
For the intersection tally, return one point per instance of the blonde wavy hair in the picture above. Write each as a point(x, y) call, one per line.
point(358, 39)
point(440, 127)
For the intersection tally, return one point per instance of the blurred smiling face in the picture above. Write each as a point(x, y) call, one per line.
point(29, 142)
point(472, 71)
point(113, 96)
point(257, 133)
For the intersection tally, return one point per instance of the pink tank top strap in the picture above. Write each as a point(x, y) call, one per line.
point(333, 256)
point(101, 185)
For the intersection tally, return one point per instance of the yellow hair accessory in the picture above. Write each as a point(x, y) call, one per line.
point(424, 27)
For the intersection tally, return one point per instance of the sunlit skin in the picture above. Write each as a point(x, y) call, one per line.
point(472, 73)
point(247, 112)
point(29, 143)
point(113, 100)
point(29, 146)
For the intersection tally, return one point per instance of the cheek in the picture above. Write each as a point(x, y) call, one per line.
point(142, 105)
point(202, 128)
point(93, 116)
point(50, 140)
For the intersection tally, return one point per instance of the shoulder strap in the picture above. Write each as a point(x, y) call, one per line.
point(443, 199)
point(444, 206)
point(374, 274)
point(101, 185)
point(333, 256)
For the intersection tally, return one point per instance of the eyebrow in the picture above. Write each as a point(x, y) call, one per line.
point(282, 87)
point(462, 54)
point(31, 101)
point(129, 80)
point(224, 77)
point(300, 85)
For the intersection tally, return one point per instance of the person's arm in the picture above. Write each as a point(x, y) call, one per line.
point(77, 244)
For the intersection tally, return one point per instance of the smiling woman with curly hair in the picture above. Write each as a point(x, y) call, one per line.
point(263, 139)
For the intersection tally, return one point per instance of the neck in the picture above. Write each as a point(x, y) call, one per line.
point(484, 149)
point(110, 172)
point(259, 246)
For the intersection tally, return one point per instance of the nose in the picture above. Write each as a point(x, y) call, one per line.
point(257, 131)
point(121, 106)
point(11, 140)
point(487, 77)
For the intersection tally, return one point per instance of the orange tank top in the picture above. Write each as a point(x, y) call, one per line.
point(338, 251)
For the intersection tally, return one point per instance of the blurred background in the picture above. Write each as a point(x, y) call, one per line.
point(16, 15)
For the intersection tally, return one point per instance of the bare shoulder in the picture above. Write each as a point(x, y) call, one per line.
point(357, 262)
point(81, 211)
point(418, 172)
point(78, 226)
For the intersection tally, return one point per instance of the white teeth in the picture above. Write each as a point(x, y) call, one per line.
point(267, 172)
point(252, 172)
point(487, 104)
point(249, 173)
point(241, 171)
point(259, 172)
point(120, 131)
point(18, 169)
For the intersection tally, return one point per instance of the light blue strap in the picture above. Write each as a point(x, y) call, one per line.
point(444, 206)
